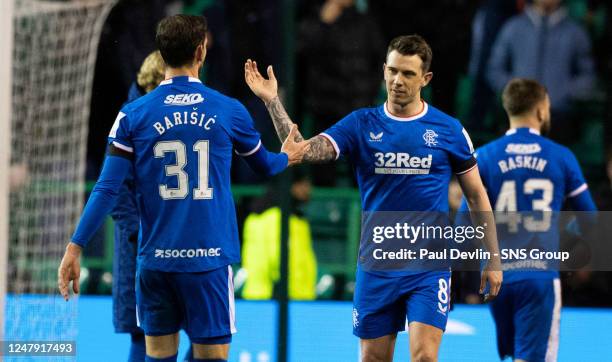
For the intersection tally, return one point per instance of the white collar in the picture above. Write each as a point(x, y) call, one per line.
point(406, 119)
point(191, 79)
point(531, 130)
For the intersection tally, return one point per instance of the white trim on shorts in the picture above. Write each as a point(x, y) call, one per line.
point(232, 304)
point(553, 338)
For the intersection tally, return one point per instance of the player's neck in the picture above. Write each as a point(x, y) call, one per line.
point(182, 72)
point(524, 123)
point(405, 110)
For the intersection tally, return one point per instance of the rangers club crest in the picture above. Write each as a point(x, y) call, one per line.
point(430, 138)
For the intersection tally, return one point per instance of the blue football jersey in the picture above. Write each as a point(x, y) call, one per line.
point(403, 164)
point(530, 174)
point(182, 135)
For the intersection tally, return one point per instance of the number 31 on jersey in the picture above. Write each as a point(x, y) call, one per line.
point(202, 192)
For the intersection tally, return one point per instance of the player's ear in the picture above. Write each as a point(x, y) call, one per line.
point(426, 79)
point(540, 114)
point(201, 52)
point(383, 69)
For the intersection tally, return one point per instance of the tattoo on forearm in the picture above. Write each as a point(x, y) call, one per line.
point(320, 150)
point(281, 120)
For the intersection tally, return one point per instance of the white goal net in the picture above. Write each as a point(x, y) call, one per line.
point(54, 52)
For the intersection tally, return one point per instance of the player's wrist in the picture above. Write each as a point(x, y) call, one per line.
point(74, 249)
point(268, 99)
point(287, 160)
point(494, 263)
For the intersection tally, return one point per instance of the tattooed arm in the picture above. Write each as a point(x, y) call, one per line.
point(320, 150)
point(280, 118)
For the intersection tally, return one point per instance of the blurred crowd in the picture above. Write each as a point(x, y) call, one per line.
point(336, 49)
point(329, 55)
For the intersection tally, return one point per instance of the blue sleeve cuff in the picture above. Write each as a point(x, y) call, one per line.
point(80, 243)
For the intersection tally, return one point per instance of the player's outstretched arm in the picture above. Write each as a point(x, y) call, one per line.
point(321, 150)
point(482, 214)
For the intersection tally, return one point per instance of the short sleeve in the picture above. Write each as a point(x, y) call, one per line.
point(342, 135)
point(245, 137)
point(575, 183)
point(120, 135)
point(461, 151)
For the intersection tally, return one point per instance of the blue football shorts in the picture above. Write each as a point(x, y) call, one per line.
point(527, 317)
point(384, 305)
point(200, 303)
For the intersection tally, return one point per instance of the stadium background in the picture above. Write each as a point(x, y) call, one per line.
point(279, 32)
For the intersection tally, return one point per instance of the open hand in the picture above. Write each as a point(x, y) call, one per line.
point(69, 271)
point(294, 150)
point(265, 89)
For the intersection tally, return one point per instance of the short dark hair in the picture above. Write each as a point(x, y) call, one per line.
point(412, 45)
point(178, 37)
point(521, 96)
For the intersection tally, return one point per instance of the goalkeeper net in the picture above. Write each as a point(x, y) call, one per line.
point(54, 52)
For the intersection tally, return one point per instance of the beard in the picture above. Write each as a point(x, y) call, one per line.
point(545, 128)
